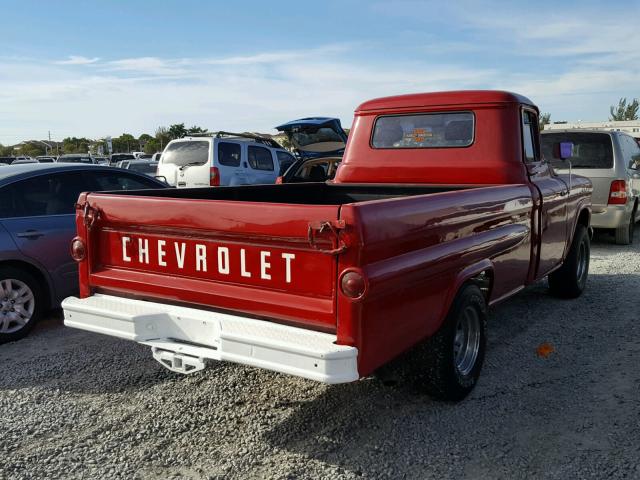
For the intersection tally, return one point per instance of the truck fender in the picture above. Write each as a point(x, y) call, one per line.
point(581, 207)
point(465, 275)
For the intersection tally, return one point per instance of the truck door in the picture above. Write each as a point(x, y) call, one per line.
point(552, 220)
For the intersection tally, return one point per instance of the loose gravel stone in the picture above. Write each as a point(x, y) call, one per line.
point(80, 405)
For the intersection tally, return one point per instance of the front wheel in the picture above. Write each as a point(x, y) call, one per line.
point(453, 357)
point(570, 280)
point(21, 303)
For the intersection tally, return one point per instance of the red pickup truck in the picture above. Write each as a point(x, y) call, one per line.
point(441, 208)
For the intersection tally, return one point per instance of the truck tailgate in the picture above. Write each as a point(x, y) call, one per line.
point(249, 257)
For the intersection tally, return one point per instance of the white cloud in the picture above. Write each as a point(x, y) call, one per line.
point(586, 70)
point(77, 60)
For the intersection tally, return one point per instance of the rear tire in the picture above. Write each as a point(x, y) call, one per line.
point(452, 359)
point(624, 234)
point(570, 280)
point(21, 303)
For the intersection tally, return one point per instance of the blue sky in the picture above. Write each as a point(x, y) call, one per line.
point(102, 68)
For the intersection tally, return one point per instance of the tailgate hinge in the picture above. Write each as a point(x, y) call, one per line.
point(329, 228)
point(90, 214)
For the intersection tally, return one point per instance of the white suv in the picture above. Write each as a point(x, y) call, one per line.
point(221, 160)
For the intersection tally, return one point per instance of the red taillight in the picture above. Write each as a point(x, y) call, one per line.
point(214, 177)
point(618, 192)
point(279, 180)
point(78, 249)
point(353, 284)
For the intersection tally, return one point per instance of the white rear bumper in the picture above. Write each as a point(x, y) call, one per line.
point(178, 334)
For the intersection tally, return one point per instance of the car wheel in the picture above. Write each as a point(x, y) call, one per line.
point(453, 357)
point(21, 303)
point(570, 280)
point(624, 234)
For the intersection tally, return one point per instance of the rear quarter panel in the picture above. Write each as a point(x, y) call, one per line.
point(416, 252)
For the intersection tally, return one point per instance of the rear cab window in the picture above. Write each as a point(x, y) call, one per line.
point(189, 152)
point(590, 150)
point(425, 130)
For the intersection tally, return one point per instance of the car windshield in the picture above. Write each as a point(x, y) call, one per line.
point(590, 150)
point(194, 152)
point(148, 168)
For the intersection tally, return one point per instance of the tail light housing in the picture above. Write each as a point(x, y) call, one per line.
point(78, 249)
point(214, 177)
point(618, 192)
point(353, 284)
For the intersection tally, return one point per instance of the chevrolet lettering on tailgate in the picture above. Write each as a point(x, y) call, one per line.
point(206, 257)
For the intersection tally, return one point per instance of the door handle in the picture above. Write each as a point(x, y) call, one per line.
point(31, 234)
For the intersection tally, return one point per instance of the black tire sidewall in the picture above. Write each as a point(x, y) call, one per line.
point(469, 295)
point(36, 289)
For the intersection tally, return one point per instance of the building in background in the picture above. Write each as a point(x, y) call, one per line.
point(632, 127)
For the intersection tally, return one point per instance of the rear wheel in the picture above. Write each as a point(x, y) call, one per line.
point(624, 234)
point(453, 357)
point(570, 280)
point(21, 303)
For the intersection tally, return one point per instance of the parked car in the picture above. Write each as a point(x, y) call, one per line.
point(102, 160)
point(137, 154)
point(143, 166)
point(114, 158)
point(46, 159)
point(123, 163)
point(23, 160)
point(311, 170)
point(221, 160)
point(145, 156)
point(441, 207)
point(319, 144)
point(315, 137)
point(76, 158)
point(7, 160)
point(611, 160)
point(37, 222)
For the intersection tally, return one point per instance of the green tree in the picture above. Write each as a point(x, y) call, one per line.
point(152, 146)
point(624, 110)
point(196, 129)
point(75, 145)
point(124, 143)
point(6, 150)
point(545, 119)
point(163, 137)
point(177, 131)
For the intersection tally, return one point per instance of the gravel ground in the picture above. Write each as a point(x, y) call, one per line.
point(81, 405)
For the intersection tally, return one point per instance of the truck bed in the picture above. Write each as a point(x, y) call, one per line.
point(299, 193)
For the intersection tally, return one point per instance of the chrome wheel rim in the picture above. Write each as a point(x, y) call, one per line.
point(582, 263)
point(466, 343)
point(17, 303)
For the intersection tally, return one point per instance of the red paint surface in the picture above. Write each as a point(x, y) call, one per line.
point(415, 252)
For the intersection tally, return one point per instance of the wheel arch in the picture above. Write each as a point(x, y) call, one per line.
point(481, 273)
point(37, 273)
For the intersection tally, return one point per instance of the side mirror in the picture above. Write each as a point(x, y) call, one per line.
point(566, 150)
point(162, 178)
